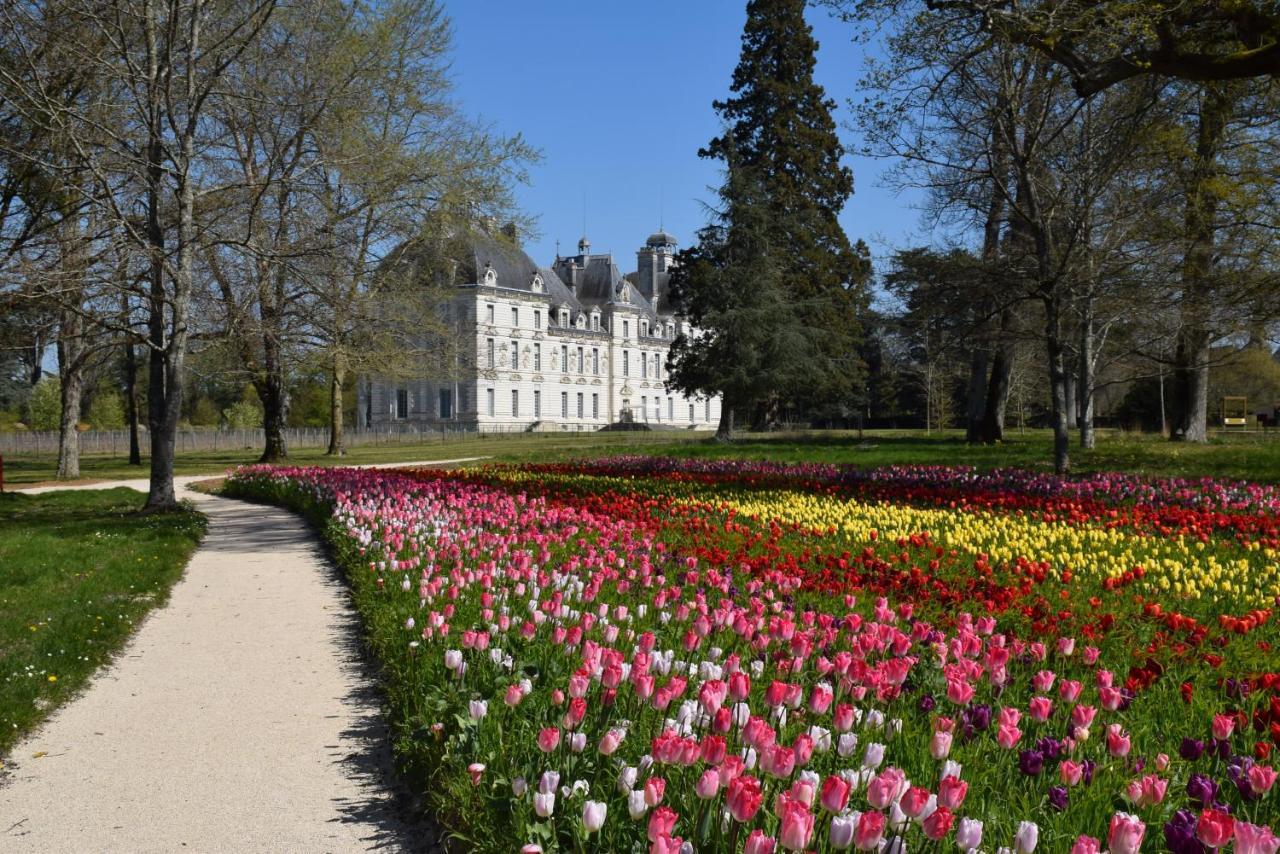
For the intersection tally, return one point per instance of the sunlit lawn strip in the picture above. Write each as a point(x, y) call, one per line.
point(78, 570)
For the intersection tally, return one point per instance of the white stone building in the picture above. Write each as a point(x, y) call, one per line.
point(576, 346)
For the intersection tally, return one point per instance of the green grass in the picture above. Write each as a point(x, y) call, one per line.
point(32, 468)
point(78, 570)
point(1248, 456)
point(1251, 456)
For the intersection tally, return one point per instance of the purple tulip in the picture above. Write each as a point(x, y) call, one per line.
point(1031, 762)
point(1058, 798)
point(1180, 834)
point(1201, 789)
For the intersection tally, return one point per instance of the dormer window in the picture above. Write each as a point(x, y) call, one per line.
point(595, 321)
point(490, 276)
point(581, 321)
point(564, 317)
point(644, 328)
point(536, 284)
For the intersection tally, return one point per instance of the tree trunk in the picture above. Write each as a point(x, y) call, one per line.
point(71, 374)
point(1085, 382)
point(274, 393)
point(131, 402)
point(724, 430)
point(977, 396)
point(1191, 368)
point(337, 448)
point(997, 397)
point(1057, 384)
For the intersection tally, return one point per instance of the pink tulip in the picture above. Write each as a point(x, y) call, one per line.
point(661, 822)
point(869, 832)
point(1086, 845)
point(1261, 779)
point(835, 793)
point(1008, 736)
point(1125, 834)
point(1040, 708)
point(940, 745)
point(951, 792)
point(796, 828)
point(548, 739)
point(744, 796)
point(1223, 726)
point(1255, 839)
point(759, 843)
point(708, 784)
point(1117, 741)
point(654, 788)
point(914, 801)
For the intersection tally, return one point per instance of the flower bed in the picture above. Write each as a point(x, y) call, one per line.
point(682, 655)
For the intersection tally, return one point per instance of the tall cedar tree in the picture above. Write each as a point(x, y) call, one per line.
point(730, 285)
point(779, 128)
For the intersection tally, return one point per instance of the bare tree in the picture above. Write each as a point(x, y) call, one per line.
point(139, 141)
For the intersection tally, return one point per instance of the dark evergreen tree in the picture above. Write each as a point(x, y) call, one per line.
point(779, 128)
point(731, 286)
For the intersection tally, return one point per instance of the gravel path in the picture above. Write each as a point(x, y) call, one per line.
point(240, 717)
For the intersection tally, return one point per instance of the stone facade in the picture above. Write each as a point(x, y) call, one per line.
point(576, 346)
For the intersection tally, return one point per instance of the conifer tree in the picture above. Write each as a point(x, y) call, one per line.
point(730, 287)
point(779, 128)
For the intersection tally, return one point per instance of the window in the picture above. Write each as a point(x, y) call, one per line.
point(515, 316)
point(657, 409)
point(708, 418)
point(564, 358)
point(581, 364)
point(595, 360)
point(515, 402)
point(579, 404)
point(537, 357)
point(489, 309)
point(402, 403)
point(671, 409)
point(595, 406)
point(626, 329)
point(691, 413)
point(446, 403)
point(657, 366)
point(492, 362)
point(537, 404)
point(515, 355)
point(462, 400)
point(626, 363)
point(644, 365)
point(644, 407)
point(489, 401)
point(537, 319)
point(564, 404)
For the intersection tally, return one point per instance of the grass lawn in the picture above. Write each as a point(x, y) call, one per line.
point(1251, 456)
point(30, 468)
point(1247, 456)
point(78, 570)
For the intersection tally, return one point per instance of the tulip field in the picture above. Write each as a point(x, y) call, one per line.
point(638, 653)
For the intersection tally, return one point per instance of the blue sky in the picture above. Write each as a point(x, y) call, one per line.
point(617, 96)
